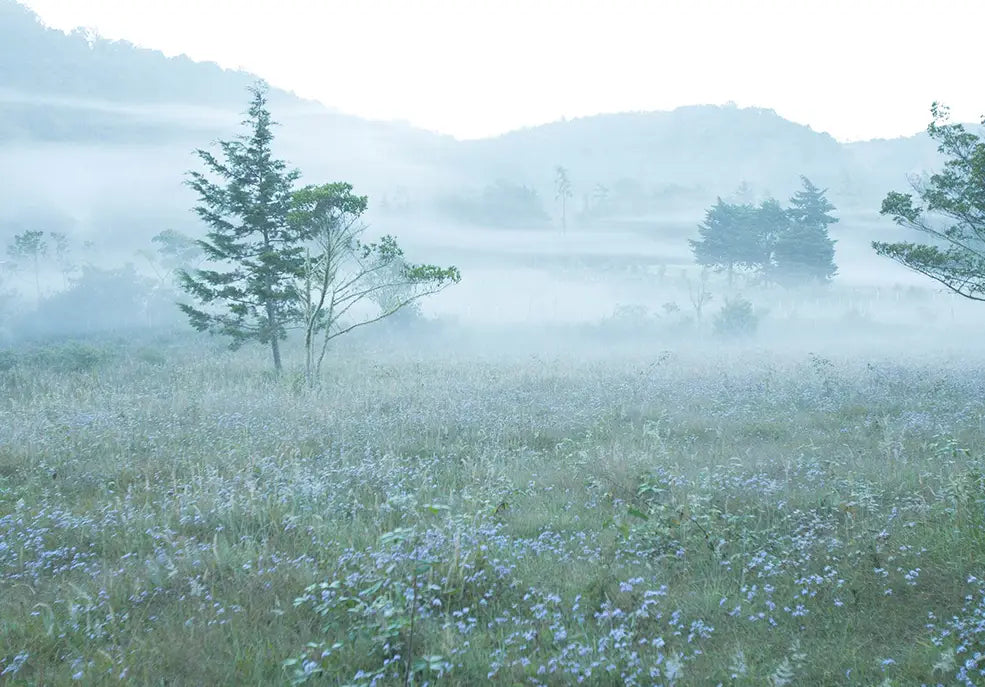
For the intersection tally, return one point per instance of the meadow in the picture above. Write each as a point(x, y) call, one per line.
point(173, 514)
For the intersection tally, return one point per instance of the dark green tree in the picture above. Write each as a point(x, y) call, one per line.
point(810, 207)
point(950, 210)
point(255, 250)
point(772, 224)
point(804, 252)
point(728, 238)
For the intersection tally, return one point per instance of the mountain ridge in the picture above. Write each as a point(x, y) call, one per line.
point(95, 95)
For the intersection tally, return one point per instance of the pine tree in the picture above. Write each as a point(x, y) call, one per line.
point(810, 206)
point(728, 238)
point(245, 199)
point(805, 252)
point(772, 225)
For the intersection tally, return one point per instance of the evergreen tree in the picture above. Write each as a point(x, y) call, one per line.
point(728, 238)
point(772, 225)
point(805, 252)
point(256, 252)
point(810, 207)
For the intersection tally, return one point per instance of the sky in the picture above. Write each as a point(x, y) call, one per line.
point(856, 69)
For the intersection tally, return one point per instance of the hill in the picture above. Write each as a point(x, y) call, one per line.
point(699, 152)
point(98, 134)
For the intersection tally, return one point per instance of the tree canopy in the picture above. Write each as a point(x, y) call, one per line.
point(949, 208)
point(348, 283)
point(786, 245)
point(728, 238)
point(283, 258)
point(804, 251)
point(245, 200)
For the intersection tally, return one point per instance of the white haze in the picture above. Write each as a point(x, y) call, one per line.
point(632, 279)
point(858, 70)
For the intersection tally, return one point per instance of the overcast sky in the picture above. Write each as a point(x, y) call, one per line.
point(857, 69)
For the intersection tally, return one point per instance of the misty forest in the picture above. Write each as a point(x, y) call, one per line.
point(287, 396)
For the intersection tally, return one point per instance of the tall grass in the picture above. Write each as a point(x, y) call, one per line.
point(169, 517)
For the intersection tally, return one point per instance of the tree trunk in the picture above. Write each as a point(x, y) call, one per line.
point(275, 349)
point(309, 354)
point(274, 343)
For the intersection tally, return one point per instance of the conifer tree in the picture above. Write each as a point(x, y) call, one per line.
point(805, 251)
point(727, 238)
point(772, 225)
point(254, 252)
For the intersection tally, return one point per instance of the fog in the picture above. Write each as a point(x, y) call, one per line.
point(623, 399)
point(107, 168)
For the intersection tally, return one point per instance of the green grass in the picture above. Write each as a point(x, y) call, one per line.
point(167, 517)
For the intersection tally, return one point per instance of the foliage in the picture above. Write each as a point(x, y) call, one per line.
point(728, 238)
point(736, 318)
point(809, 207)
point(70, 357)
point(772, 225)
point(791, 246)
point(374, 615)
point(608, 522)
point(805, 252)
point(342, 274)
point(950, 210)
point(245, 199)
point(961, 639)
point(100, 300)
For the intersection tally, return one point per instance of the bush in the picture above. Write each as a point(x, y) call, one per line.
point(736, 319)
point(63, 358)
point(151, 356)
point(69, 357)
point(100, 301)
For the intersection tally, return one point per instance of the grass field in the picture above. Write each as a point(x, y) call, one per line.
point(177, 516)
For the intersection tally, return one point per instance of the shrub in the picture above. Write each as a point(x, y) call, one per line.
point(736, 319)
point(69, 357)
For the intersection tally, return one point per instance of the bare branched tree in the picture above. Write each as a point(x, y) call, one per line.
point(347, 283)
